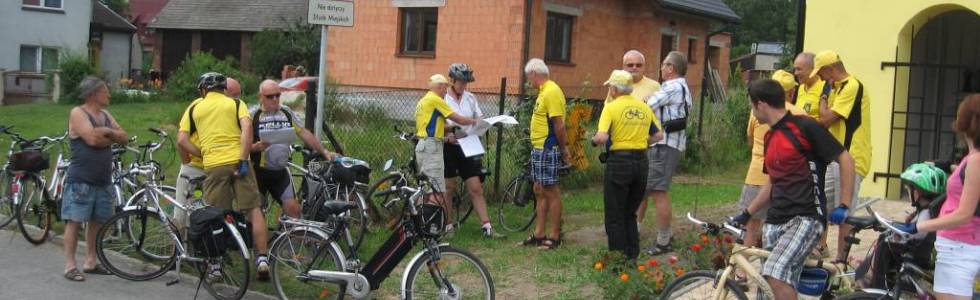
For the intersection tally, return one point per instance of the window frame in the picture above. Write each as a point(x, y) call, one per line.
point(42, 6)
point(421, 25)
point(571, 34)
point(39, 57)
point(692, 44)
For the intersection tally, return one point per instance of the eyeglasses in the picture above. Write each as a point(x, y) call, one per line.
point(270, 96)
point(634, 65)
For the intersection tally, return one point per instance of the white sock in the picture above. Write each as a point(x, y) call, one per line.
point(487, 225)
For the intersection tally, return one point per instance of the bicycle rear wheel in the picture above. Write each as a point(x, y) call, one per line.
point(700, 285)
point(516, 211)
point(231, 279)
point(147, 252)
point(380, 193)
point(35, 210)
point(456, 274)
point(292, 255)
point(8, 211)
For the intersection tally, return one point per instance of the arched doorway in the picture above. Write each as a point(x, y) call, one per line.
point(941, 67)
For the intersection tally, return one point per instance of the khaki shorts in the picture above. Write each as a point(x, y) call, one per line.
point(223, 190)
point(428, 154)
point(832, 186)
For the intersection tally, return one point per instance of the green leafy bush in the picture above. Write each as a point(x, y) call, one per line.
point(297, 45)
point(723, 143)
point(74, 67)
point(182, 84)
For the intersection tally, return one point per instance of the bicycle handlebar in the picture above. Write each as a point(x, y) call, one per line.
point(888, 225)
point(714, 228)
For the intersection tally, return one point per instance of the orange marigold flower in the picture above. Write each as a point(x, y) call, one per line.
point(624, 277)
point(598, 265)
point(652, 262)
point(679, 272)
point(641, 268)
point(696, 247)
point(704, 238)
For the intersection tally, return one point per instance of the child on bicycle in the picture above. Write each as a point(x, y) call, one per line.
point(926, 189)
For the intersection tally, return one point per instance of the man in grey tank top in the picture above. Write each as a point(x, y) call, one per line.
point(88, 197)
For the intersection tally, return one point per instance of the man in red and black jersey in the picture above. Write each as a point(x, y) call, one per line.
point(797, 151)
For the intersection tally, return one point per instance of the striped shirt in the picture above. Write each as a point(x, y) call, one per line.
point(669, 104)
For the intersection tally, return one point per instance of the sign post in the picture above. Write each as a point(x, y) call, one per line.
point(327, 13)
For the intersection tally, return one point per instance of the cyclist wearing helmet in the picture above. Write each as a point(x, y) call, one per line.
point(224, 148)
point(469, 169)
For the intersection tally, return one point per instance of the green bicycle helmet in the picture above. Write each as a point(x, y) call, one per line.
point(927, 178)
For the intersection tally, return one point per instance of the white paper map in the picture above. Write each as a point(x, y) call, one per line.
point(471, 146)
point(482, 126)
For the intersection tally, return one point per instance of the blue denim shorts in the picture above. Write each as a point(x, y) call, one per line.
point(84, 202)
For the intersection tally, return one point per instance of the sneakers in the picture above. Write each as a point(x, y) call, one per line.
point(657, 249)
point(262, 267)
point(489, 233)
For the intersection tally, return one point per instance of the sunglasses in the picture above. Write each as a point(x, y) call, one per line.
point(270, 96)
point(634, 65)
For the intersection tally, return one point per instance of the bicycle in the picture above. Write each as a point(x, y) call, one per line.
point(911, 282)
point(309, 255)
point(126, 185)
point(705, 284)
point(154, 245)
point(518, 202)
point(26, 197)
point(381, 191)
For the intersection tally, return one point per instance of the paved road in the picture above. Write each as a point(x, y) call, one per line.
point(35, 272)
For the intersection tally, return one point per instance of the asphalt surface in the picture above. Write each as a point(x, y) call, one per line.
point(35, 272)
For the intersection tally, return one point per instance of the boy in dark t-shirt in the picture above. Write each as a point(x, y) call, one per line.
point(797, 151)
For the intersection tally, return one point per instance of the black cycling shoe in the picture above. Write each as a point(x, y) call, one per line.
point(657, 249)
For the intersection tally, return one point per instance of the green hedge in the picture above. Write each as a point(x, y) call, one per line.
point(182, 84)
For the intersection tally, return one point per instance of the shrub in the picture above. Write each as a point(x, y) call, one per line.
point(723, 143)
point(297, 45)
point(182, 84)
point(74, 67)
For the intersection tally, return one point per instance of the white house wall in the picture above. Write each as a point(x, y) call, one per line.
point(68, 29)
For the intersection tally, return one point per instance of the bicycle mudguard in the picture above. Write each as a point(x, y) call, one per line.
point(415, 260)
point(388, 256)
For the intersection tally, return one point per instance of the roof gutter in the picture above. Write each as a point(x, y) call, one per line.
point(800, 24)
point(525, 48)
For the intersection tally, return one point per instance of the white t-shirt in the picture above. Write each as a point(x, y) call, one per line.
point(468, 107)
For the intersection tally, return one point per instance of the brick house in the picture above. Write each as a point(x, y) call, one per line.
point(399, 43)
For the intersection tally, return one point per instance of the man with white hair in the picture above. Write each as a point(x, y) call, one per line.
point(91, 130)
point(627, 126)
point(547, 155)
point(670, 104)
point(431, 113)
point(643, 87)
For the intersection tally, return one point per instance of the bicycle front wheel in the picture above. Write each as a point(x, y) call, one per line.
point(453, 274)
point(147, 252)
point(227, 276)
point(35, 210)
point(296, 252)
point(700, 285)
point(517, 207)
point(7, 208)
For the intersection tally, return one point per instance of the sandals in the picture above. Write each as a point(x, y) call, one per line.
point(532, 241)
point(549, 244)
point(74, 275)
point(97, 270)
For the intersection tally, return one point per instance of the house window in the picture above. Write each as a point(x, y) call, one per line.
point(692, 45)
point(37, 59)
point(558, 38)
point(418, 30)
point(52, 4)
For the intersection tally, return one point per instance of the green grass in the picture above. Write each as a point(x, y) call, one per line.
point(518, 272)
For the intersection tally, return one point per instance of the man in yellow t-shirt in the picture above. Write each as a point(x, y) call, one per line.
point(643, 87)
point(548, 154)
point(627, 126)
point(431, 113)
point(847, 114)
point(755, 179)
point(812, 88)
point(218, 120)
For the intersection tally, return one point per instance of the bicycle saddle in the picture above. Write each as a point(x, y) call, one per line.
point(860, 223)
point(337, 207)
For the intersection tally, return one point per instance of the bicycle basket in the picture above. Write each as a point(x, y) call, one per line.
point(29, 160)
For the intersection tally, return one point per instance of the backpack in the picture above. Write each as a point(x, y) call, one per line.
point(190, 115)
point(208, 234)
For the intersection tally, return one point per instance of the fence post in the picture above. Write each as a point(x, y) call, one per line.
point(500, 133)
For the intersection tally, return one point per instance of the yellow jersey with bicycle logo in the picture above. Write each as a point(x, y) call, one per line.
point(629, 123)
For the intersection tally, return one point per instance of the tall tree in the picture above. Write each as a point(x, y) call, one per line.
point(763, 21)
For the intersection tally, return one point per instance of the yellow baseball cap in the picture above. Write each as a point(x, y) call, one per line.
point(438, 79)
point(785, 79)
point(619, 77)
point(823, 59)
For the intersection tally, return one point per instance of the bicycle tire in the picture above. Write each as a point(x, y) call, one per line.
point(129, 260)
point(863, 296)
point(35, 210)
point(676, 289)
point(8, 211)
point(380, 193)
point(463, 204)
point(233, 284)
point(518, 201)
point(288, 258)
point(444, 265)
